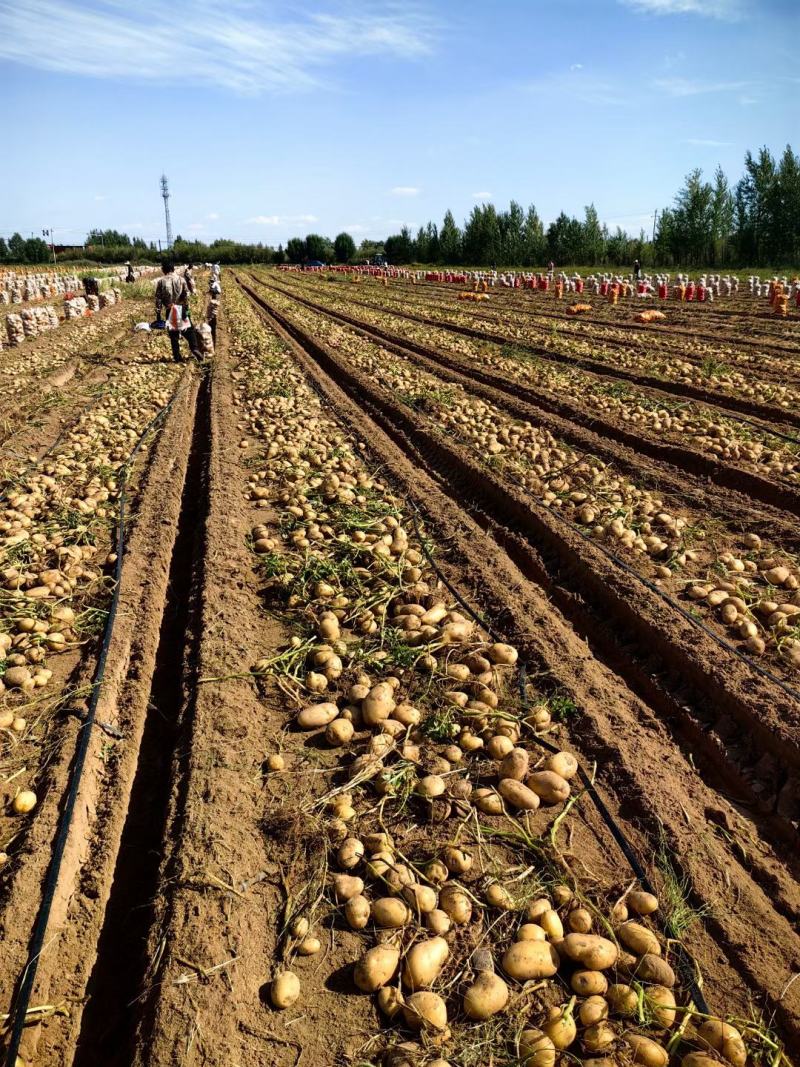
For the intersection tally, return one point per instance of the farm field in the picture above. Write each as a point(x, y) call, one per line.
point(421, 679)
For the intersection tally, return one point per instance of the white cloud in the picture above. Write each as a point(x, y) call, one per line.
point(687, 87)
point(576, 66)
point(582, 86)
point(101, 196)
point(243, 49)
point(281, 220)
point(726, 10)
point(212, 215)
point(406, 190)
point(708, 142)
point(482, 196)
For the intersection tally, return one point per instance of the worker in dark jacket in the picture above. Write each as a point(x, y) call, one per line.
point(172, 294)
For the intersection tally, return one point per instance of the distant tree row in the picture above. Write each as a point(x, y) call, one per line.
point(19, 250)
point(710, 224)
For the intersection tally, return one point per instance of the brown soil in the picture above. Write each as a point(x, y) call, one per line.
point(725, 401)
point(169, 908)
point(587, 431)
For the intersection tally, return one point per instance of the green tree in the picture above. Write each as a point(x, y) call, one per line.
point(512, 234)
point(450, 241)
point(400, 247)
point(722, 213)
point(3, 250)
point(296, 250)
point(533, 239)
point(16, 248)
point(593, 248)
point(752, 212)
point(344, 248)
point(36, 251)
point(319, 248)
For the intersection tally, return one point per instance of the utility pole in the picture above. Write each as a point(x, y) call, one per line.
point(655, 220)
point(165, 195)
point(51, 233)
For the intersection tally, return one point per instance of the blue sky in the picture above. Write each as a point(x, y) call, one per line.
point(276, 119)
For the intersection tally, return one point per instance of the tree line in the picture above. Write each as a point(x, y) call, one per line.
point(755, 222)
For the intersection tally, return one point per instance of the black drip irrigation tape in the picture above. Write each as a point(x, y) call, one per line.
point(653, 588)
point(19, 1009)
point(685, 964)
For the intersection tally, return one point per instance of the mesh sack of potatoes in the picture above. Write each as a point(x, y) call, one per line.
point(29, 324)
point(14, 329)
point(206, 339)
point(74, 308)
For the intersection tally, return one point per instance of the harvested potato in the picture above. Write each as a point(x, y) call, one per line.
point(285, 990)
point(423, 962)
point(376, 967)
point(530, 959)
point(487, 995)
point(595, 953)
point(536, 1049)
point(424, 1011)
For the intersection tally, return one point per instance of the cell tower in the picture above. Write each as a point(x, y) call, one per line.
point(165, 194)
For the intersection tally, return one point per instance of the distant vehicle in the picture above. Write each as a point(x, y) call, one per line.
point(379, 260)
point(315, 263)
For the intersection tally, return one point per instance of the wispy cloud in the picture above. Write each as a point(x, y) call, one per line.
point(406, 190)
point(576, 66)
point(101, 196)
point(281, 220)
point(482, 196)
point(583, 86)
point(212, 215)
point(689, 87)
point(726, 10)
point(708, 142)
point(242, 49)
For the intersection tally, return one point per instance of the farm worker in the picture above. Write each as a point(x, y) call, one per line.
point(130, 276)
point(189, 276)
point(173, 295)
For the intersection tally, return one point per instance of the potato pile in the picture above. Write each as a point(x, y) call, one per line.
point(664, 541)
point(419, 703)
point(56, 516)
point(691, 361)
point(684, 422)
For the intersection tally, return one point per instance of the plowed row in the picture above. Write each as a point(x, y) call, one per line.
point(322, 478)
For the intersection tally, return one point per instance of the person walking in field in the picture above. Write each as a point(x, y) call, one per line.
point(172, 294)
point(189, 276)
point(637, 270)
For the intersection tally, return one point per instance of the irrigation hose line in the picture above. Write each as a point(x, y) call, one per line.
point(616, 832)
point(444, 326)
point(686, 615)
point(19, 1008)
point(622, 841)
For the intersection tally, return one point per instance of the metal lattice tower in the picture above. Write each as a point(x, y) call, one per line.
point(165, 194)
